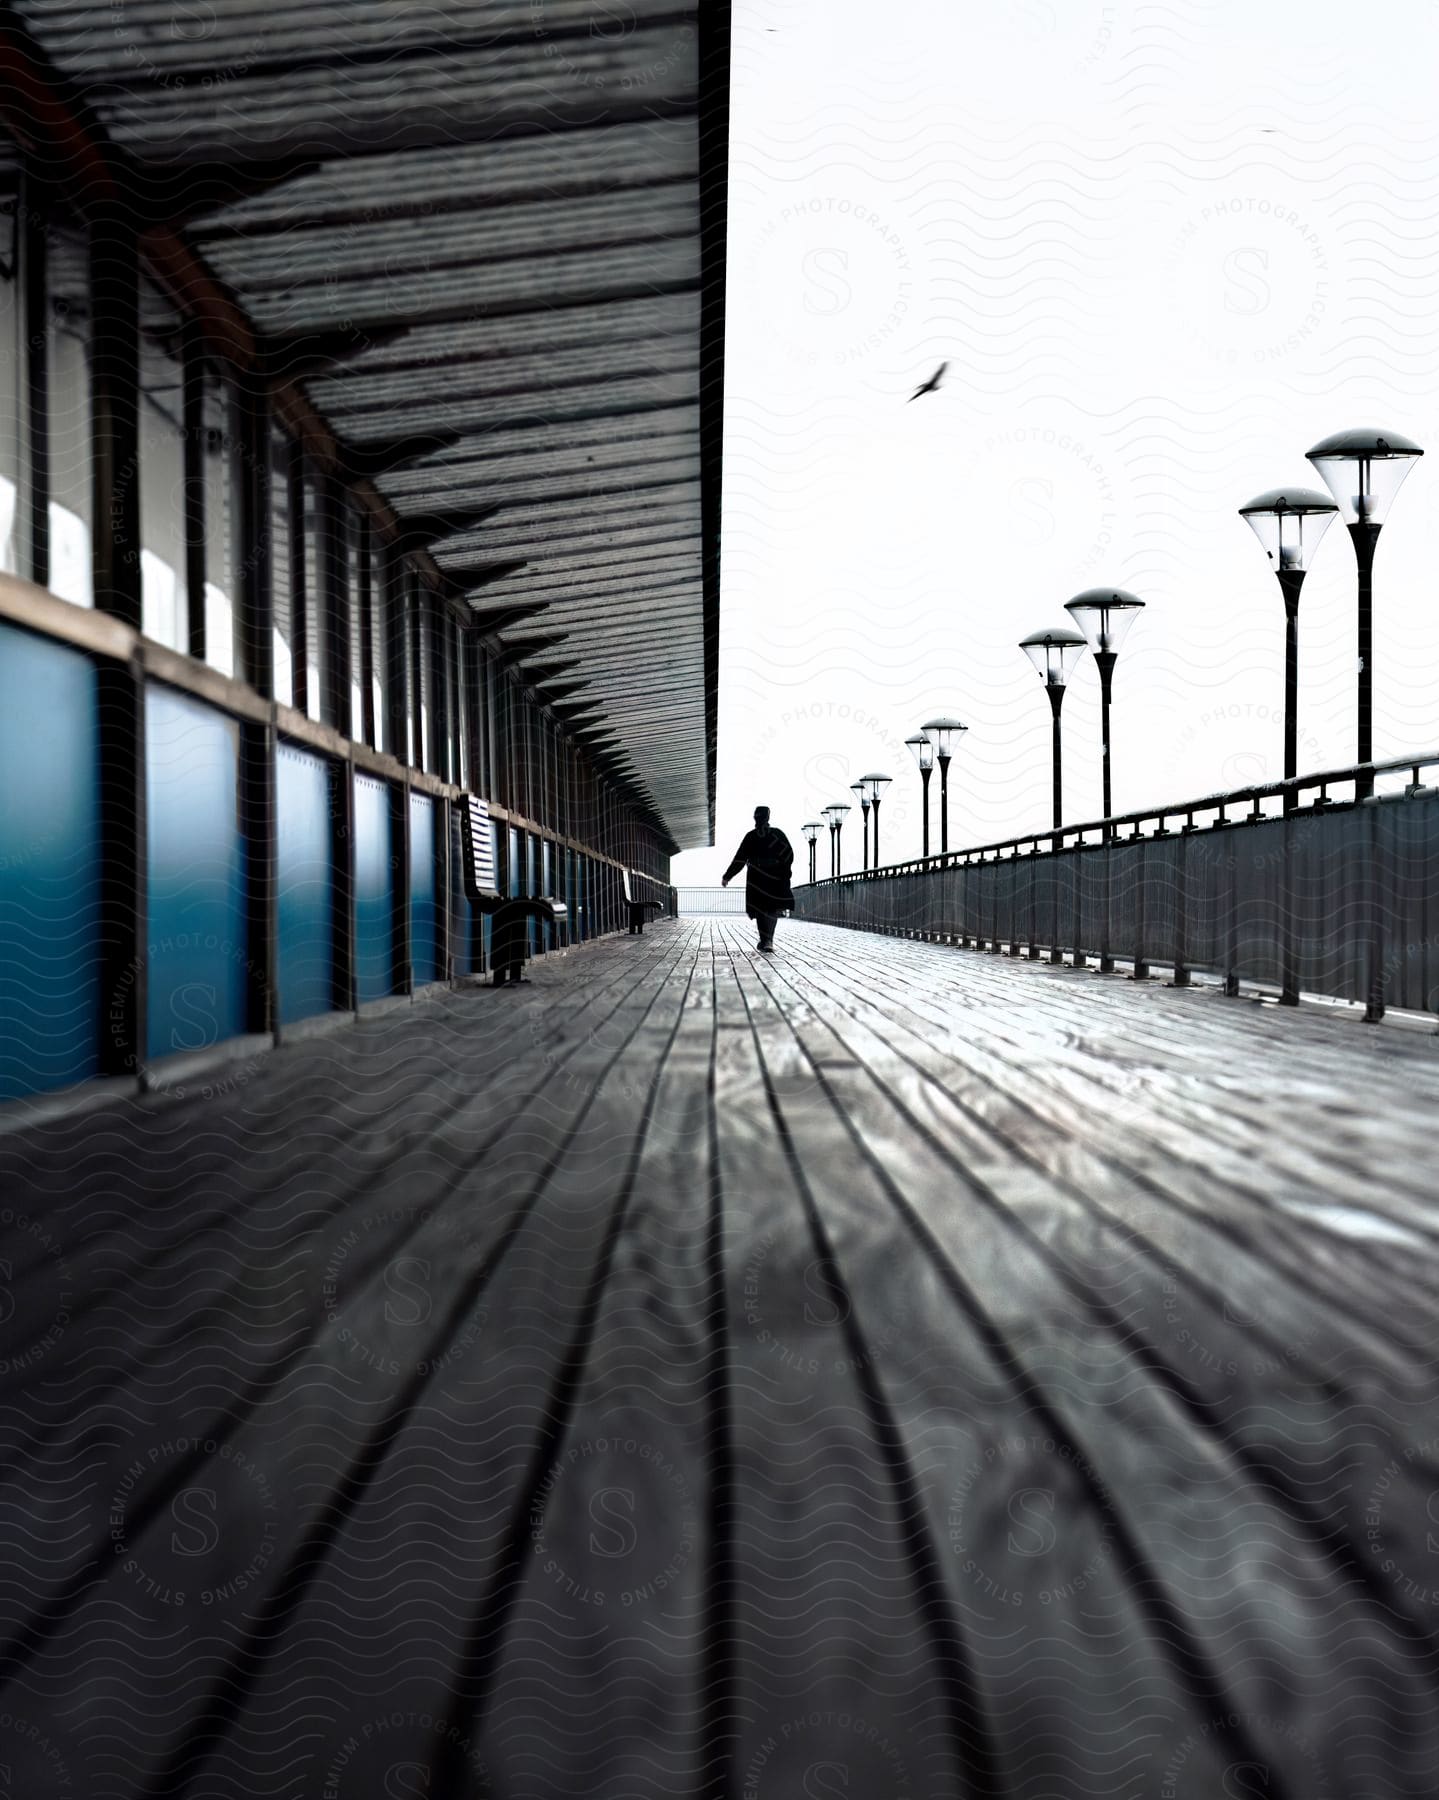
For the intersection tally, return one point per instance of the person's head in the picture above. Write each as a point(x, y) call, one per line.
point(761, 816)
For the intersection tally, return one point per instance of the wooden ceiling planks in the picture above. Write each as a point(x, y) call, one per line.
point(534, 189)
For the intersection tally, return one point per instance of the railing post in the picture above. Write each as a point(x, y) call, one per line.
point(1080, 960)
point(1374, 1006)
point(1141, 878)
point(1056, 871)
point(1181, 907)
point(1231, 934)
point(1034, 902)
point(1288, 924)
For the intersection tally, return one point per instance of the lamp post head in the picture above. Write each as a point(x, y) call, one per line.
point(922, 749)
point(861, 793)
point(876, 784)
point(1105, 616)
point(1289, 523)
point(811, 829)
point(835, 814)
point(1055, 653)
point(1364, 470)
point(944, 733)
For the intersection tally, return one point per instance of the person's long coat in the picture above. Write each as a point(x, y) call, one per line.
point(769, 858)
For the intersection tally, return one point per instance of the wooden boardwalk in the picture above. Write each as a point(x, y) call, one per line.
point(877, 1370)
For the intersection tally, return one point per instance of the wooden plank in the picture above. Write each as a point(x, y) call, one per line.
point(837, 1675)
point(619, 1556)
point(987, 1426)
point(298, 1399)
point(1271, 1484)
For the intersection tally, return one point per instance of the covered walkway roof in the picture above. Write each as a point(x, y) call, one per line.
point(481, 246)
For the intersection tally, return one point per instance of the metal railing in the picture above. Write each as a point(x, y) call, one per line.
point(702, 901)
point(1327, 884)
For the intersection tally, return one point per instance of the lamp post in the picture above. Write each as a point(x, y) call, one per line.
point(876, 784)
point(861, 793)
point(811, 832)
point(1055, 653)
point(944, 733)
point(1105, 616)
point(1364, 470)
point(835, 815)
point(1289, 523)
point(923, 751)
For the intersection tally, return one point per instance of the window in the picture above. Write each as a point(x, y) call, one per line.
point(164, 593)
point(466, 721)
point(441, 629)
point(503, 774)
point(13, 363)
point(370, 632)
point(316, 621)
point(222, 472)
point(354, 576)
point(424, 756)
point(68, 369)
point(281, 576)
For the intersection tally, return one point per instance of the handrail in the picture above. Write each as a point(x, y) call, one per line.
point(1029, 842)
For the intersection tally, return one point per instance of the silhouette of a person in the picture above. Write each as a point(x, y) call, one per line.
point(767, 854)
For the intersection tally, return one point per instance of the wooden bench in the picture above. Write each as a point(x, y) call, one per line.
point(509, 916)
point(638, 908)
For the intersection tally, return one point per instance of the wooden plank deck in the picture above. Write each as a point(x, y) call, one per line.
point(877, 1369)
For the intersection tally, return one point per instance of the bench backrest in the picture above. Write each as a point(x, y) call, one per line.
point(481, 877)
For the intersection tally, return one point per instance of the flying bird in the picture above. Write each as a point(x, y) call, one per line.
point(932, 385)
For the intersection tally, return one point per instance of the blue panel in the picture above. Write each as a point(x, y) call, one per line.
point(374, 891)
point(424, 913)
point(513, 866)
point(307, 884)
point(49, 866)
point(198, 945)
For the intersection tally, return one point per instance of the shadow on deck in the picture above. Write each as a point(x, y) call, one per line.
point(875, 1370)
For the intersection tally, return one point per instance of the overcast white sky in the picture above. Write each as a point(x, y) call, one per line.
point(1165, 248)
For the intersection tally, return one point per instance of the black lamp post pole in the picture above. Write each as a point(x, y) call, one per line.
point(833, 850)
point(864, 816)
point(1055, 690)
point(838, 855)
point(944, 805)
point(924, 775)
point(1105, 659)
point(876, 830)
point(811, 861)
point(1290, 582)
point(1366, 540)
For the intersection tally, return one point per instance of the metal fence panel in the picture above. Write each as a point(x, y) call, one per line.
point(1340, 900)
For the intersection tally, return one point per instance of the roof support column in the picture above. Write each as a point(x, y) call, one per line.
point(257, 594)
point(397, 722)
point(115, 414)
